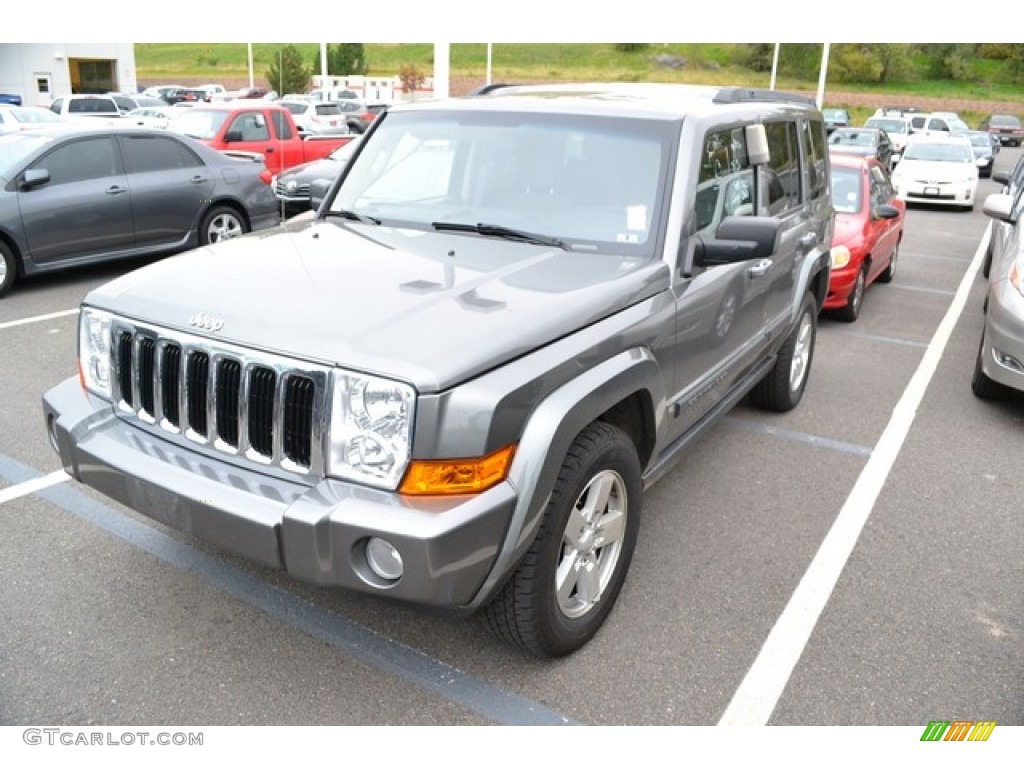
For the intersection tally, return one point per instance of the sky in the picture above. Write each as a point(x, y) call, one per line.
point(461, 21)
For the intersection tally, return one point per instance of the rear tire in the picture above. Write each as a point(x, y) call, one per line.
point(567, 583)
point(782, 389)
point(221, 223)
point(8, 269)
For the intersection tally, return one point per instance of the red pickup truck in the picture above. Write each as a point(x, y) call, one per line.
point(260, 127)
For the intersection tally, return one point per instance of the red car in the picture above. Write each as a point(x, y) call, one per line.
point(868, 229)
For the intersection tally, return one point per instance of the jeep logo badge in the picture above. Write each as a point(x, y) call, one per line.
point(204, 321)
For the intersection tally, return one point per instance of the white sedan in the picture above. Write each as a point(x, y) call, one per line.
point(151, 117)
point(939, 170)
point(17, 118)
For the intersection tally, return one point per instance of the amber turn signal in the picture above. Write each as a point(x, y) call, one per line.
point(451, 476)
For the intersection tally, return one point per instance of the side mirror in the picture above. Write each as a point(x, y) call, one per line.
point(885, 211)
point(999, 206)
point(34, 177)
point(739, 238)
point(757, 144)
point(233, 136)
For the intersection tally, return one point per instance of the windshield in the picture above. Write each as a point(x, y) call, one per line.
point(15, 147)
point(33, 115)
point(199, 123)
point(1005, 121)
point(846, 189)
point(889, 126)
point(853, 138)
point(589, 182)
point(328, 109)
point(981, 140)
point(946, 153)
point(295, 107)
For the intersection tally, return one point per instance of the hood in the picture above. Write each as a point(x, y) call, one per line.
point(304, 173)
point(847, 226)
point(429, 308)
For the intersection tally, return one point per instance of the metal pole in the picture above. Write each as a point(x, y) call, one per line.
point(323, 65)
point(824, 72)
point(442, 52)
point(487, 80)
point(775, 65)
point(252, 83)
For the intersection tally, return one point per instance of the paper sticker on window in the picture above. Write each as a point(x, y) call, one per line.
point(624, 237)
point(636, 217)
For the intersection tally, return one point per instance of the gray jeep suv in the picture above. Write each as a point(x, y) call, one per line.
point(509, 316)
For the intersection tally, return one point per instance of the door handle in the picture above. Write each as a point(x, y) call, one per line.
point(760, 269)
point(269, 150)
point(199, 179)
point(116, 190)
point(808, 240)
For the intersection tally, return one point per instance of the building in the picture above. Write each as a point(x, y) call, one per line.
point(39, 72)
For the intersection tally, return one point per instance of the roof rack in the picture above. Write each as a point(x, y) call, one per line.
point(737, 95)
point(483, 90)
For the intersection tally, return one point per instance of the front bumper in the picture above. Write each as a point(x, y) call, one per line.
point(840, 283)
point(945, 193)
point(1002, 353)
point(316, 533)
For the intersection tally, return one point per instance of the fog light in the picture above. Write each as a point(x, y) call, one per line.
point(384, 559)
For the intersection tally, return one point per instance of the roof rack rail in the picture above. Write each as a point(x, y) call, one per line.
point(737, 95)
point(483, 90)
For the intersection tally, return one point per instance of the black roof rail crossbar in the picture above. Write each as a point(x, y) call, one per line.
point(737, 95)
point(483, 90)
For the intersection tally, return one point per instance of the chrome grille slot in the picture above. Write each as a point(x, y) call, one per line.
point(299, 394)
point(229, 384)
point(197, 374)
point(145, 376)
point(124, 367)
point(246, 406)
point(170, 383)
point(261, 410)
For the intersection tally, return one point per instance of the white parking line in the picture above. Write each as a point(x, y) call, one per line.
point(38, 318)
point(758, 694)
point(31, 486)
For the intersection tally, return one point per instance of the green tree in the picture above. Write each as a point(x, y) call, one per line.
point(287, 73)
point(346, 59)
point(869, 63)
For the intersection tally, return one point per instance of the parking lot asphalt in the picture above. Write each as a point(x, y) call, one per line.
point(856, 561)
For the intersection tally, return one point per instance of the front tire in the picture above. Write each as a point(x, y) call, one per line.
point(8, 269)
point(567, 583)
point(221, 223)
point(855, 300)
point(782, 389)
point(983, 387)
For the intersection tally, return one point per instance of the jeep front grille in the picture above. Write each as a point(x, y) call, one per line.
point(257, 407)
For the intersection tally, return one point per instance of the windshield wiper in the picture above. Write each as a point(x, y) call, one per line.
point(496, 230)
point(353, 216)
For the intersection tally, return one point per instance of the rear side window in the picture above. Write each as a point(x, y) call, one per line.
point(143, 154)
point(783, 173)
point(282, 127)
point(814, 139)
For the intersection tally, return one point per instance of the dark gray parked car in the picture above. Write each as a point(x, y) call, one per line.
point(73, 196)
